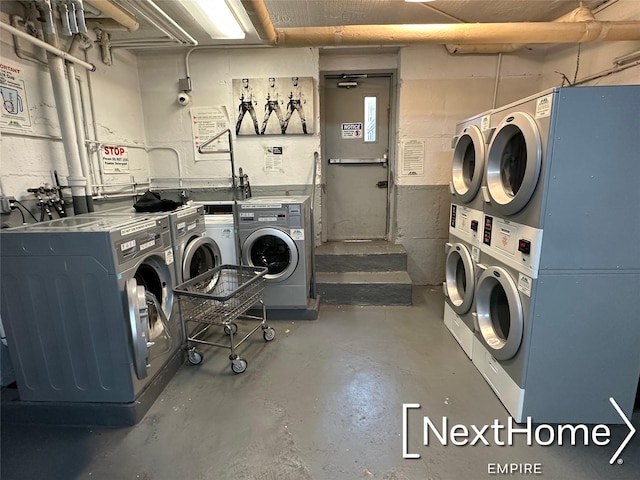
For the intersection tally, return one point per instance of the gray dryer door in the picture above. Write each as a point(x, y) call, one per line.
point(200, 254)
point(499, 317)
point(460, 278)
point(274, 249)
point(468, 164)
point(513, 163)
point(139, 323)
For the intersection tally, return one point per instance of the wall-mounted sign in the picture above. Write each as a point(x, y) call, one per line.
point(115, 159)
point(412, 158)
point(15, 107)
point(273, 159)
point(207, 122)
point(352, 130)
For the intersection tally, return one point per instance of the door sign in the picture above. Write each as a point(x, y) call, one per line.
point(352, 130)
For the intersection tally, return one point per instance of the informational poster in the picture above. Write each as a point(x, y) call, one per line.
point(273, 159)
point(543, 106)
point(412, 158)
point(351, 130)
point(115, 159)
point(206, 123)
point(15, 106)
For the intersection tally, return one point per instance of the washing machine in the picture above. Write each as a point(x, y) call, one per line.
point(85, 304)
point(274, 233)
point(565, 161)
point(554, 345)
point(220, 225)
point(463, 253)
point(468, 164)
point(194, 252)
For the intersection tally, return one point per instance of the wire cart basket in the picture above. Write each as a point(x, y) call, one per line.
point(219, 297)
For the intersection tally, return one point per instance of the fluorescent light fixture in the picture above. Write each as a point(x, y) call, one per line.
point(216, 18)
point(419, 1)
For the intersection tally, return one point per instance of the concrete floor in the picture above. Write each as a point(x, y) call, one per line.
point(323, 401)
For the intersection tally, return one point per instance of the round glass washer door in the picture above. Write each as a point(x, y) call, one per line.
point(274, 249)
point(468, 163)
point(513, 163)
point(499, 313)
point(200, 255)
point(460, 278)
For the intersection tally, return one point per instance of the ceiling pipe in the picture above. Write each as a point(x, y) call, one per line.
point(580, 14)
point(114, 13)
point(259, 16)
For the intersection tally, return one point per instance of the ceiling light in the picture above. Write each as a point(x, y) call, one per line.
point(216, 18)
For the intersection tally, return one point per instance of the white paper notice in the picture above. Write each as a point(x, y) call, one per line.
point(206, 123)
point(273, 159)
point(15, 107)
point(412, 159)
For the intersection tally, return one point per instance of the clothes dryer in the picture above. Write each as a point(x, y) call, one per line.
point(463, 252)
point(468, 164)
point(553, 163)
point(85, 302)
point(556, 345)
point(274, 233)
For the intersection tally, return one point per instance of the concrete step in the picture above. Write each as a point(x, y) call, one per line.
point(365, 256)
point(364, 288)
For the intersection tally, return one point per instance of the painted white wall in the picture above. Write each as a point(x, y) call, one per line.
point(438, 90)
point(28, 158)
point(212, 72)
point(595, 58)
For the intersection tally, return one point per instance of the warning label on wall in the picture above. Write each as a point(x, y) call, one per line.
point(115, 159)
point(15, 107)
point(352, 130)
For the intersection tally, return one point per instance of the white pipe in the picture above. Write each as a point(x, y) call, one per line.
point(94, 124)
point(49, 48)
point(78, 117)
point(64, 108)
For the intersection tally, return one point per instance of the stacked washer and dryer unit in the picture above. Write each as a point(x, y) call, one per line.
point(555, 312)
point(87, 303)
point(465, 219)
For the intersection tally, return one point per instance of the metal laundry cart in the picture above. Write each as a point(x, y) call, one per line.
point(219, 297)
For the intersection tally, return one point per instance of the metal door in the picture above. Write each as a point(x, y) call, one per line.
point(356, 145)
point(274, 249)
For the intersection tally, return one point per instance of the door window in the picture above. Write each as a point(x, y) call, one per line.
point(370, 124)
point(271, 252)
point(469, 164)
point(499, 311)
point(513, 164)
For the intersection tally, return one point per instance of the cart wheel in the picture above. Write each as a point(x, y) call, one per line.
point(238, 365)
point(230, 328)
point(195, 357)
point(268, 334)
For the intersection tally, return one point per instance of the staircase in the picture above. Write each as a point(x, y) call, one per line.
point(362, 273)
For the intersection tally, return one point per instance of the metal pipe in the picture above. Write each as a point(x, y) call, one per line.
point(259, 16)
point(495, 89)
point(64, 109)
point(49, 48)
point(94, 124)
point(78, 118)
point(468, 33)
point(116, 13)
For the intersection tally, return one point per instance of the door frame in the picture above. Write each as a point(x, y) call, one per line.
point(392, 74)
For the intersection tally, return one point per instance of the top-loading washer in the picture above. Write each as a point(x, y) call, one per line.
point(85, 302)
point(463, 252)
point(274, 233)
point(556, 345)
point(565, 161)
point(468, 164)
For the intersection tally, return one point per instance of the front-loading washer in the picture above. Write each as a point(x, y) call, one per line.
point(554, 345)
point(194, 252)
point(468, 163)
point(220, 225)
point(85, 303)
point(553, 163)
point(274, 233)
point(463, 252)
